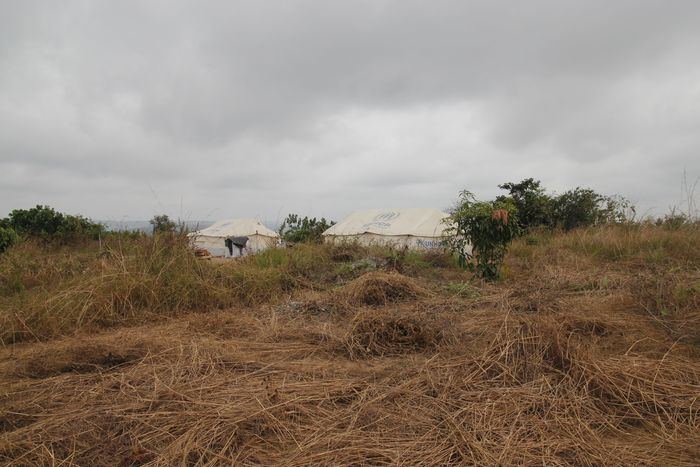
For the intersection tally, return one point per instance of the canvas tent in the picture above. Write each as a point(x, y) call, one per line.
point(416, 228)
point(213, 237)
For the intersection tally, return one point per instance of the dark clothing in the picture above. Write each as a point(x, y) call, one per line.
point(238, 242)
point(229, 245)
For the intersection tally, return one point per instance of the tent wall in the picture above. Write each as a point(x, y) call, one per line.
point(397, 241)
point(217, 247)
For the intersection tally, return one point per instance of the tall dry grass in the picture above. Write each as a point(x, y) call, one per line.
point(651, 269)
point(126, 282)
point(45, 293)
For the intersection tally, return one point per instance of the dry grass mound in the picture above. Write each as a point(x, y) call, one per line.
point(380, 288)
point(383, 332)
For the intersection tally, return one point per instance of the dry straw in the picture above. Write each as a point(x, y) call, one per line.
point(585, 354)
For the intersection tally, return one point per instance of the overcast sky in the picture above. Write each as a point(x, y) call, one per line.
point(205, 110)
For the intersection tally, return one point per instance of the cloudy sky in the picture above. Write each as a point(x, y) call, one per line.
point(212, 109)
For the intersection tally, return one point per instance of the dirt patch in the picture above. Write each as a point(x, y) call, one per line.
point(84, 357)
point(379, 288)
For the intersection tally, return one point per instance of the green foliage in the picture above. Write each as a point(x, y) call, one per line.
point(583, 207)
point(580, 207)
point(487, 227)
point(533, 205)
point(162, 224)
point(48, 224)
point(674, 220)
point(296, 229)
point(8, 237)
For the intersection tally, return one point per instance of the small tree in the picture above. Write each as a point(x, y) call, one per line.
point(533, 204)
point(487, 227)
point(162, 224)
point(8, 237)
point(303, 229)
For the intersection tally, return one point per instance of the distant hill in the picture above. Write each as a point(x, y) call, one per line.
point(145, 226)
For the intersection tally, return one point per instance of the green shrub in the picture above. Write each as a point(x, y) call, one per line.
point(533, 205)
point(582, 207)
point(163, 224)
point(45, 223)
point(674, 220)
point(296, 229)
point(8, 237)
point(487, 227)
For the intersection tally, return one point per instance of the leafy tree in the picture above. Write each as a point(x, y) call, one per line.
point(487, 227)
point(303, 229)
point(8, 237)
point(579, 207)
point(582, 207)
point(48, 224)
point(534, 206)
point(163, 224)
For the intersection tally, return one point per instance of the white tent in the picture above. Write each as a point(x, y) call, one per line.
point(416, 228)
point(212, 238)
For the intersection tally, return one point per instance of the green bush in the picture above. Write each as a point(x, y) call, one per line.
point(48, 224)
point(580, 207)
point(8, 237)
point(674, 220)
point(163, 224)
point(533, 205)
point(487, 227)
point(296, 229)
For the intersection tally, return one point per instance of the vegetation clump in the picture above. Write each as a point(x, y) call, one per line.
point(49, 225)
point(162, 223)
point(8, 237)
point(380, 288)
point(580, 207)
point(296, 229)
point(382, 332)
point(481, 233)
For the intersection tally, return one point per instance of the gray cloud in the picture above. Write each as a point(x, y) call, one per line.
point(216, 109)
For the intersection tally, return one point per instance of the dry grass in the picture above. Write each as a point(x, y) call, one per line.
point(396, 332)
point(532, 395)
point(568, 361)
point(379, 288)
point(143, 280)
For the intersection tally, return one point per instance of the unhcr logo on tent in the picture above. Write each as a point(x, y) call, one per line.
point(382, 220)
point(386, 216)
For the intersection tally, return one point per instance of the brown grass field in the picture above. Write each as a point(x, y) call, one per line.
point(586, 352)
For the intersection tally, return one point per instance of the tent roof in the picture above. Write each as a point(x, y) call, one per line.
point(235, 228)
point(419, 222)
